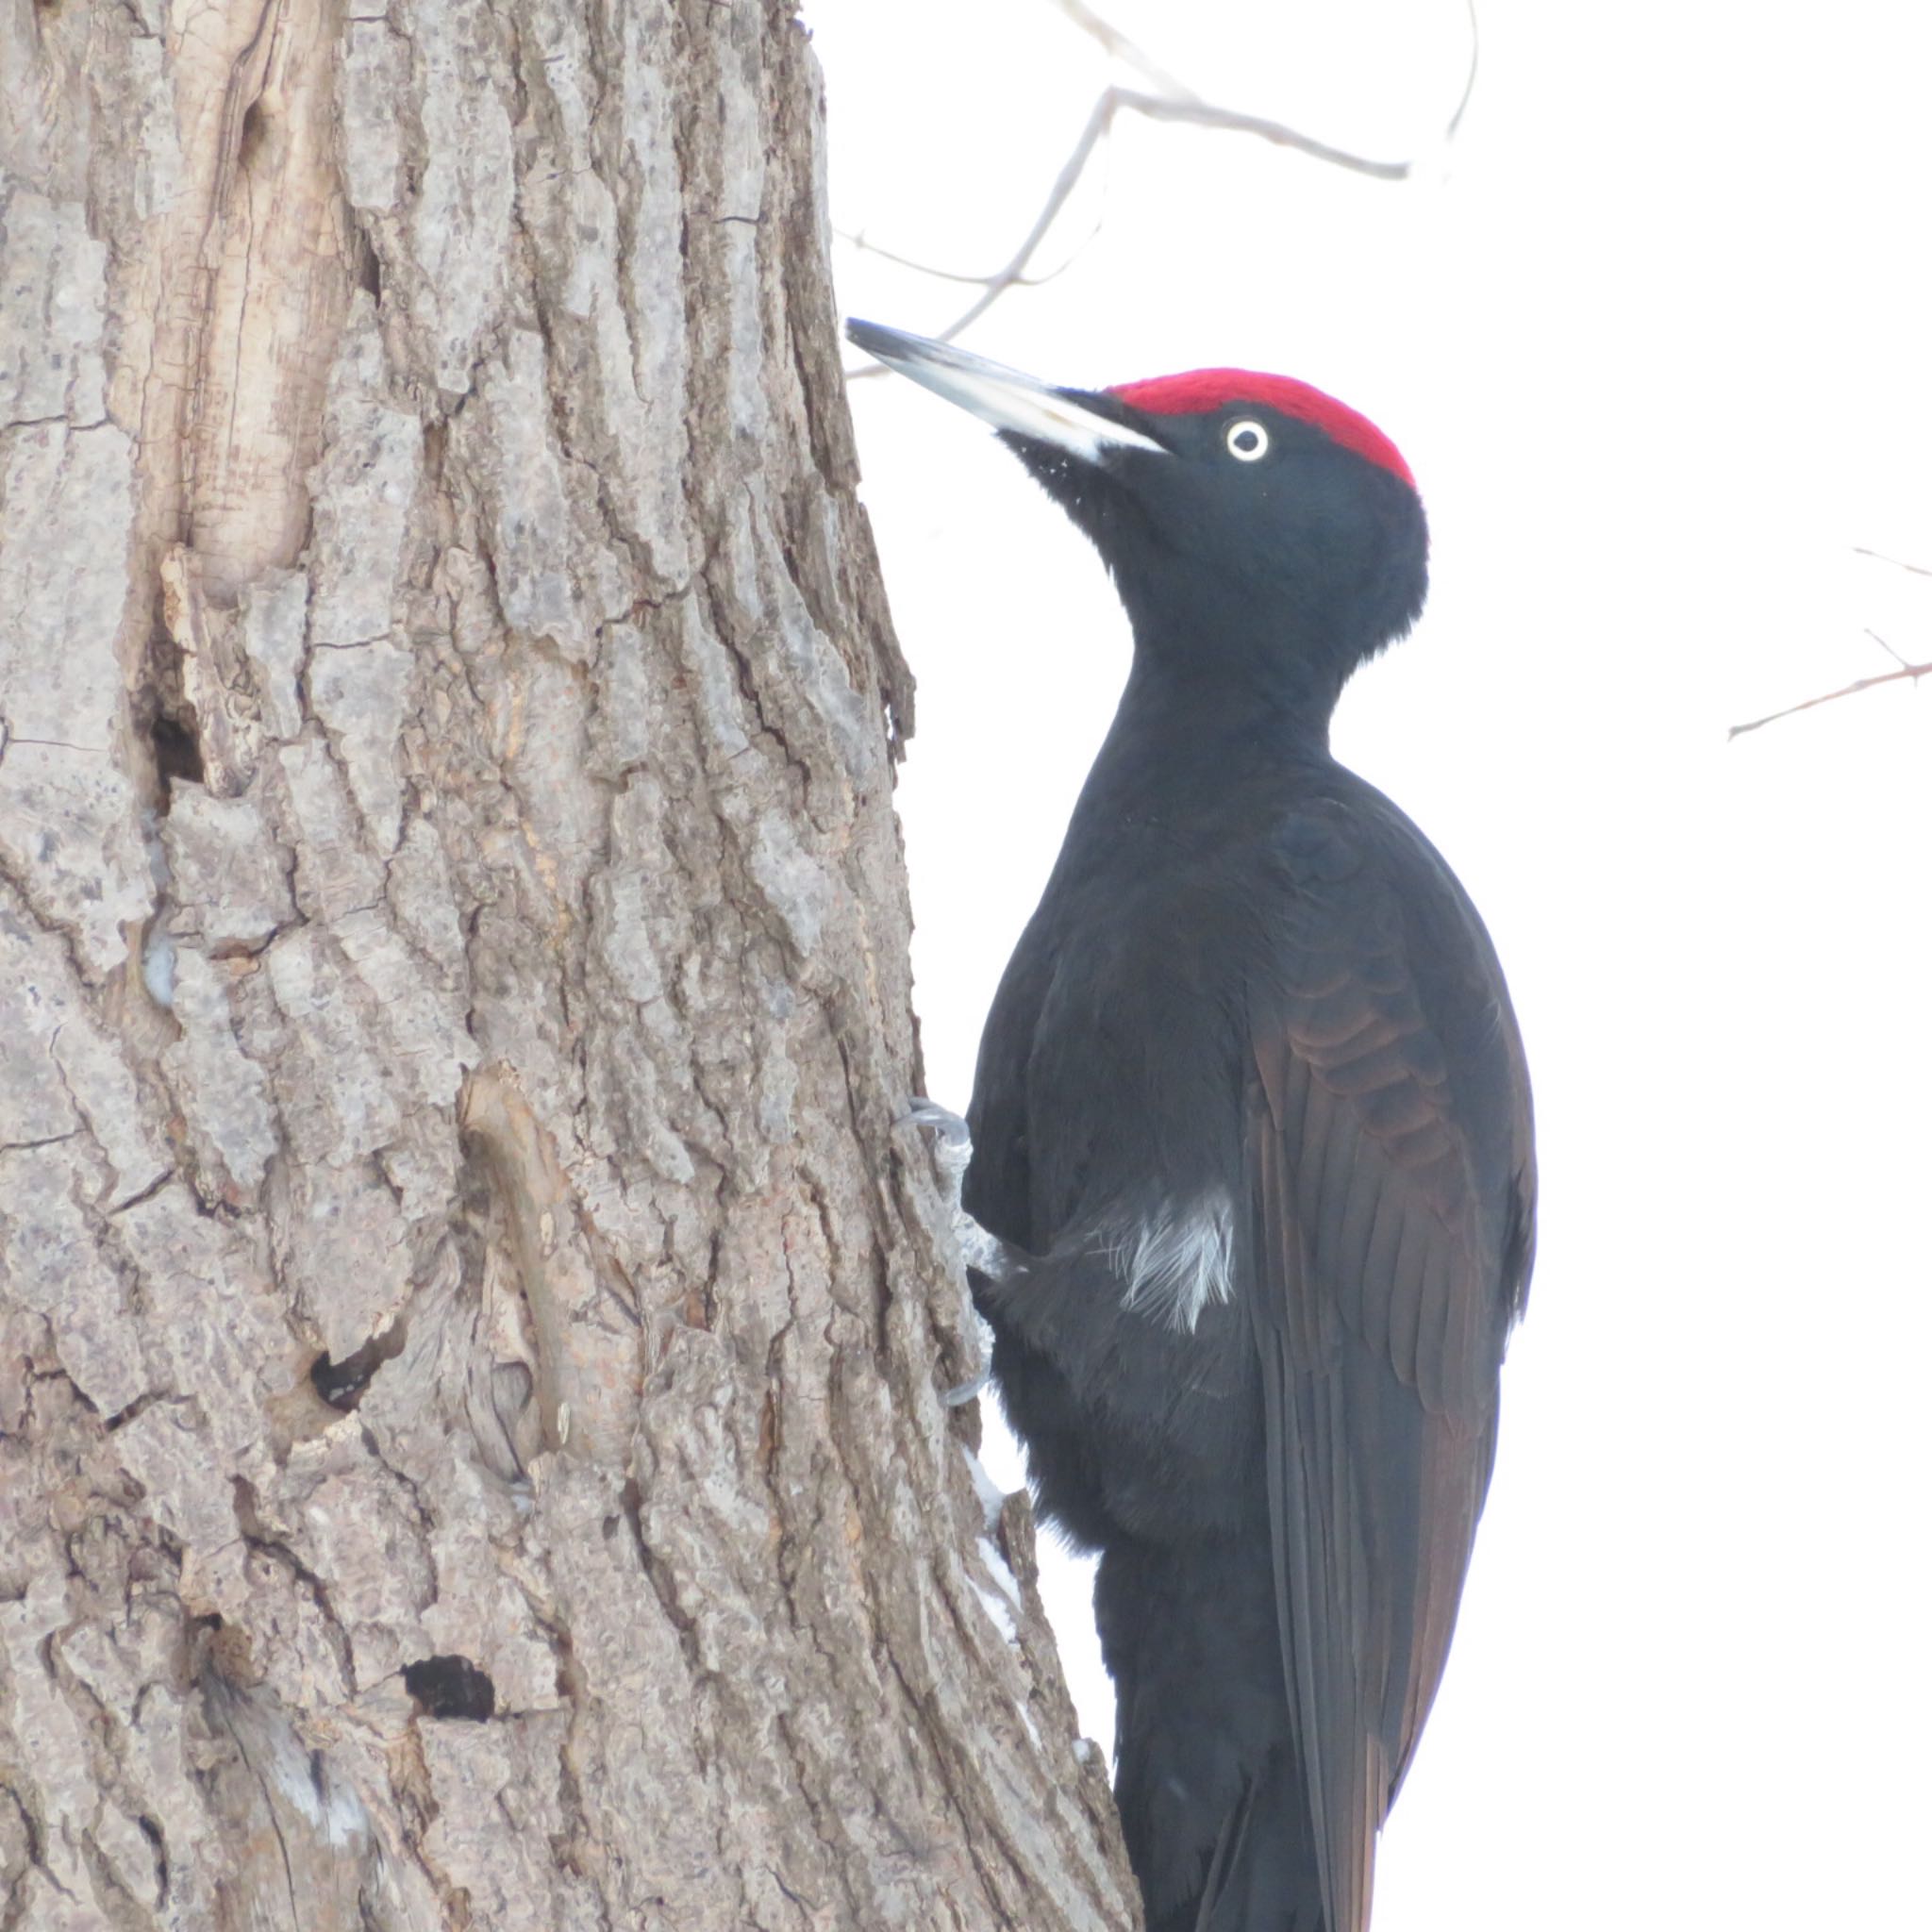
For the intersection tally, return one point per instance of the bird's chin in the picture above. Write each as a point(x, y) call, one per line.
point(1100, 503)
point(1059, 472)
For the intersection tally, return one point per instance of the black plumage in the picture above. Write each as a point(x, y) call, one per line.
point(1251, 1120)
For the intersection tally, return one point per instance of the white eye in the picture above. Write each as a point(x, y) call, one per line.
point(1248, 441)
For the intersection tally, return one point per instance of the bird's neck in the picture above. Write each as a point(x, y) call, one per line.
point(1282, 656)
point(1234, 693)
point(1185, 749)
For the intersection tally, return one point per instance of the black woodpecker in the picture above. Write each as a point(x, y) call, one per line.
point(1252, 1145)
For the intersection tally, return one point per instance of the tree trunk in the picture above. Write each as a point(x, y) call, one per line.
point(470, 1330)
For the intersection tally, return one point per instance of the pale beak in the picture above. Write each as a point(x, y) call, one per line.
point(1019, 404)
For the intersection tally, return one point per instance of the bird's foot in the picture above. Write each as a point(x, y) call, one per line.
point(953, 1147)
point(984, 1253)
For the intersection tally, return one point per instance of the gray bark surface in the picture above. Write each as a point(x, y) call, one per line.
point(453, 930)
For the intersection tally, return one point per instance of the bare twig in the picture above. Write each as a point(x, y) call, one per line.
point(1178, 104)
point(1123, 50)
point(1475, 55)
point(1156, 108)
point(1906, 673)
point(867, 246)
point(1918, 570)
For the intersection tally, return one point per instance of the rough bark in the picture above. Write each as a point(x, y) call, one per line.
point(469, 1332)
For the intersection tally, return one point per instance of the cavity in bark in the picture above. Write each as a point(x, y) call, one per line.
point(342, 1384)
point(450, 1687)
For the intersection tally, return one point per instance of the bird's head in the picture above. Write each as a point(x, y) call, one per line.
point(1244, 517)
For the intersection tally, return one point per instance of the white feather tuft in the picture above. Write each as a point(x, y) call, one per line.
point(1177, 1260)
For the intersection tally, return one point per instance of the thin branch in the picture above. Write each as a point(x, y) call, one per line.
point(866, 246)
point(1157, 107)
point(1098, 121)
point(1180, 104)
point(1123, 50)
point(1476, 56)
point(1911, 672)
point(1918, 570)
point(1896, 657)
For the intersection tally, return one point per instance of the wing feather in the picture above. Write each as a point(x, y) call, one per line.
point(1408, 1276)
point(1392, 1191)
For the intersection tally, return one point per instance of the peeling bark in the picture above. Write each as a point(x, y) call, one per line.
point(470, 1330)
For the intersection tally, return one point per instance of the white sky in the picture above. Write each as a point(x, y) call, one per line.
point(1654, 336)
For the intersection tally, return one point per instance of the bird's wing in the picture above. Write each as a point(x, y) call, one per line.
point(1000, 1187)
point(1390, 1227)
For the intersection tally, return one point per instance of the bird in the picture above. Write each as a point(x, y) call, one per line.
point(1252, 1149)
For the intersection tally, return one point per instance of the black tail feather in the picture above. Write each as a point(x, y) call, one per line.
point(1207, 1776)
point(1272, 1880)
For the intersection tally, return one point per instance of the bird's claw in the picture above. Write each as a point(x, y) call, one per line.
point(959, 1396)
point(950, 1127)
point(952, 1141)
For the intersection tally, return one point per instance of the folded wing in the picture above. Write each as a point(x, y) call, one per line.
point(1391, 1199)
